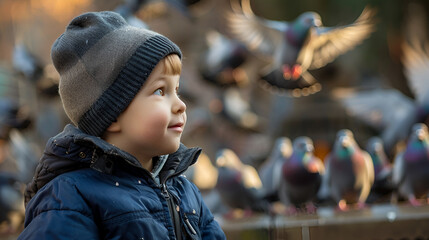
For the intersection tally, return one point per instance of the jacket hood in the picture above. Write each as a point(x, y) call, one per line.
point(73, 149)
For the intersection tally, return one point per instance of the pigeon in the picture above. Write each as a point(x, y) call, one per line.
point(128, 9)
point(270, 169)
point(411, 166)
point(239, 111)
point(239, 185)
point(383, 185)
point(11, 203)
point(349, 171)
point(203, 173)
point(293, 48)
point(221, 62)
point(301, 176)
point(26, 63)
point(388, 111)
point(415, 60)
point(12, 115)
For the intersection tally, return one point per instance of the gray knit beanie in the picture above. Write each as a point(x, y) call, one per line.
point(103, 62)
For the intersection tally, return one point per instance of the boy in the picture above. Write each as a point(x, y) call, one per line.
point(117, 175)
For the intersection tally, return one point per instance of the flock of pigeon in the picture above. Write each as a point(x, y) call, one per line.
point(350, 177)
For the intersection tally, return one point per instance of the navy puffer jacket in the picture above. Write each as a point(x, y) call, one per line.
point(85, 188)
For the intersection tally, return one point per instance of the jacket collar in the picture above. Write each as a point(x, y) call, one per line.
point(73, 149)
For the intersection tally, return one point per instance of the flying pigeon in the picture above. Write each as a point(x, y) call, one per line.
point(383, 185)
point(349, 171)
point(221, 62)
point(270, 170)
point(238, 110)
point(238, 184)
point(26, 63)
point(415, 60)
point(295, 47)
point(411, 166)
point(301, 176)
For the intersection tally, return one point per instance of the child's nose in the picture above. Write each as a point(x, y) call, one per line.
point(179, 105)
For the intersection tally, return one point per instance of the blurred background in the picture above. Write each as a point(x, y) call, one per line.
point(229, 106)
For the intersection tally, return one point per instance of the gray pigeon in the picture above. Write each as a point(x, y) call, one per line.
point(238, 184)
point(294, 47)
point(221, 63)
point(349, 171)
point(26, 63)
point(239, 110)
point(301, 177)
point(11, 202)
point(411, 166)
point(383, 186)
point(270, 169)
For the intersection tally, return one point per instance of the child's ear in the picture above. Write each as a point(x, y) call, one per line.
point(114, 127)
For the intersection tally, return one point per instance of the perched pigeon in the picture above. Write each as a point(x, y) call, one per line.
point(203, 173)
point(383, 185)
point(349, 171)
point(411, 167)
point(297, 46)
point(301, 176)
point(11, 203)
point(270, 170)
point(221, 62)
point(239, 185)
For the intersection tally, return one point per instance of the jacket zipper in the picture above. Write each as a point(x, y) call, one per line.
point(189, 224)
point(173, 213)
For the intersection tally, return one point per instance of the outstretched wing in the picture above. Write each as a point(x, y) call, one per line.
point(416, 68)
point(386, 110)
point(258, 34)
point(328, 43)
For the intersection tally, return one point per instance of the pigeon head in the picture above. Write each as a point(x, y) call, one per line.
point(284, 146)
point(420, 133)
point(303, 145)
point(345, 144)
point(227, 158)
point(376, 150)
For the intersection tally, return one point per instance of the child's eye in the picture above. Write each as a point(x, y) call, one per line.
point(159, 92)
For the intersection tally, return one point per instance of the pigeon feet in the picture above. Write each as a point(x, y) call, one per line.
point(342, 205)
point(311, 208)
point(414, 202)
point(291, 211)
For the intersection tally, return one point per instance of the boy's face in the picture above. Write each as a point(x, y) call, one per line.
point(153, 123)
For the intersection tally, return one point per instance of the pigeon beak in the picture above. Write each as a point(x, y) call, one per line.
point(309, 148)
point(221, 162)
point(421, 134)
point(317, 22)
point(345, 141)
